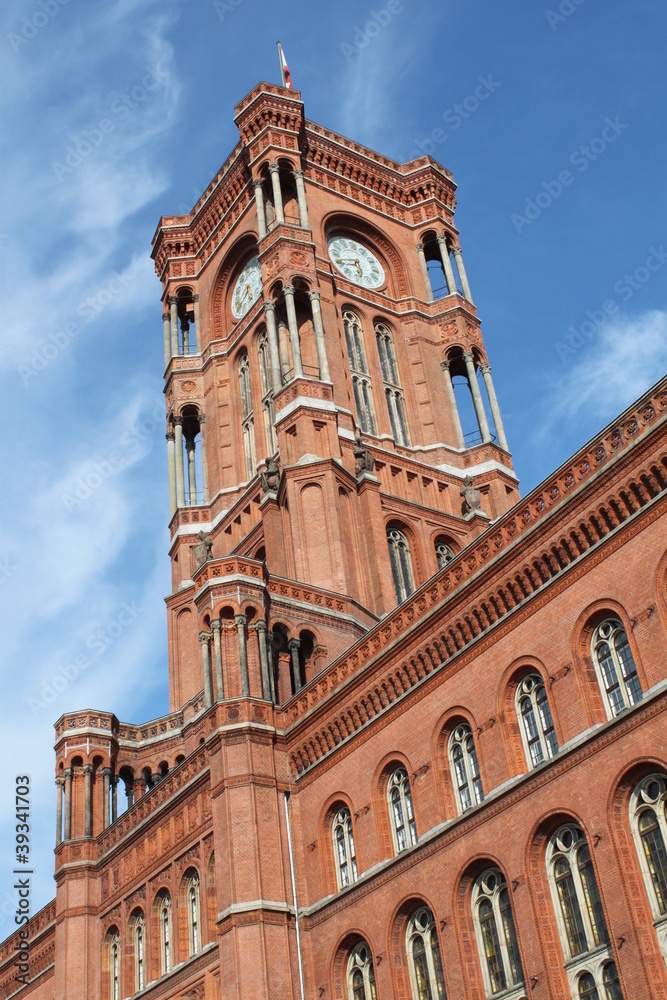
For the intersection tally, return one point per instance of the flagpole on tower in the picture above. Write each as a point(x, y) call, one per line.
point(280, 60)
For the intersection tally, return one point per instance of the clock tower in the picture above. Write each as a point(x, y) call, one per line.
point(319, 329)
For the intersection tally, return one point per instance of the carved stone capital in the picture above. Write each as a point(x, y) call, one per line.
point(297, 172)
point(204, 636)
point(261, 626)
point(240, 621)
point(468, 358)
point(456, 250)
point(269, 307)
point(173, 300)
point(294, 644)
point(170, 436)
point(444, 365)
point(258, 183)
point(419, 247)
point(178, 421)
point(216, 626)
point(165, 316)
point(441, 240)
point(87, 768)
point(288, 289)
point(485, 368)
point(314, 296)
point(274, 168)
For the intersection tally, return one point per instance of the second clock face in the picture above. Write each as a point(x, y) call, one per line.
point(356, 262)
point(247, 289)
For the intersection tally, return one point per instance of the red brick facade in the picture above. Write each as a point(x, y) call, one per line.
point(356, 797)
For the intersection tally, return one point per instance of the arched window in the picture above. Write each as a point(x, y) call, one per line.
point(464, 768)
point(360, 974)
point(266, 380)
point(246, 415)
point(575, 893)
point(343, 845)
point(537, 728)
point(648, 820)
point(612, 986)
point(165, 935)
point(587, 987)
point(392, 384)
point(401, 814)
point(495, 932)
point(443, 553)
point(401, 564)
point(615, 666)
point(139, 953)
point(194, 914)
point(361, 380)
point(424, 963)
point(114, 965)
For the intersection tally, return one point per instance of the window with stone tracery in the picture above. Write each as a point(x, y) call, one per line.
point(139, 953)
point(534, 714)
point(423, 952)
point(361, 379)
point(194, 914)
point(113, 945)
point(392, 384)
point(361, 974)
point(648, 821)
point(443, 553)
point(465, 768)
point(401, 814)
point(165, 935)
point(615, 667)
point(247, 419)
point(401, 564)
point(496, 935)
point(266, 380)
point(344, 850)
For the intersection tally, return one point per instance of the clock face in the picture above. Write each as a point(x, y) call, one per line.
point(356, 262)
point(247, 289)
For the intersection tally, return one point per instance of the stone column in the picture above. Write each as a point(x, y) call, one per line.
point(261, 211)
point(463, 278)
point(106, 775)
point(493, 403)
point(216, 627)
point(185, 335)
point(297, 369)
point(166, 325)
point(274, 350)
point(180, 471)
point(171, 461)
point(195, 299)
point(301, 199)
point(477, 397)
point(114, 799)
point(240, 622)
point(204, 463)
point(283, 347)
point(320, 346)
point(88, 800)
point(394, 422)
point(68, 804)
point(59, 811)
point(206, 667)
point(453, 408)
point(129, 792)
point(274, 170)
point(192, 470)
point(425, 274)
point(264, 659)
point(447, 265)
point(173, 305)
point(294, 646)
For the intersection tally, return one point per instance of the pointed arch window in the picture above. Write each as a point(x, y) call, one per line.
point(465, 768)
point(266, 380)
point(392, 384)
point(139, 953)
point(360, 974)
point(344, 850)
point(165, 935)
point(424, 962)
point(247, 419)
point(648, 821)
point(401, 814)
point(361, 379)
point(194, 914)
point(496, 934)
point(534, 714)
point(615, 666)
point(401, 564)
point(114, 965)
point(443, 553)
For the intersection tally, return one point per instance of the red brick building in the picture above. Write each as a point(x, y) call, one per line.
point(416, 746)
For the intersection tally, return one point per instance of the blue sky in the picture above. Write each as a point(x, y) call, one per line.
point(560, 167)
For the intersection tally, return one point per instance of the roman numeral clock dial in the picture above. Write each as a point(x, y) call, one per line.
point(356, 262)
point(247, 289)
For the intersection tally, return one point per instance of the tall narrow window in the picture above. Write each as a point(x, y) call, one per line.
point(537, 728)
point(401, 564)
point(615, 666)
point(194, 915)
point(361, 380)
point(587, 987)
point(443, 553)
point(464, 768)
point(648, 820)
point(612, 986)
point(248, 423)
point(401, 815)
point(423, 952)
point(575, 893)
point(165, 935)
point(343, 845)
point(392, 384)
point(266, 380)
point(496, 934)
point(360, 974)
point(114, 965)
point(139, 953)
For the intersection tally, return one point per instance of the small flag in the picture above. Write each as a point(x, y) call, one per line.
point(284, 69)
